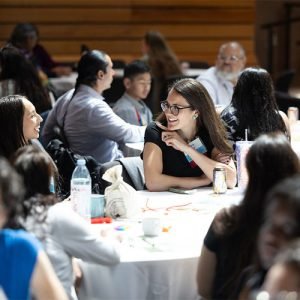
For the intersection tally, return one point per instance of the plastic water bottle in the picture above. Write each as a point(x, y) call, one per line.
point(81, 190)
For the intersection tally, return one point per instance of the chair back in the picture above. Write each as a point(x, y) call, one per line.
point(284, 101)
point(133, 172)
point(284, 80)
point(59, 134)
point(115, 91)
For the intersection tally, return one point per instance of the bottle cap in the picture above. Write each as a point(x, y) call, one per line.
point(81, 162)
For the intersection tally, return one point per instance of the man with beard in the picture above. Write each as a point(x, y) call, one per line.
point(221, 79)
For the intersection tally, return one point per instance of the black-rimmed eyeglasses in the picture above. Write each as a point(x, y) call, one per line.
point(174, 109)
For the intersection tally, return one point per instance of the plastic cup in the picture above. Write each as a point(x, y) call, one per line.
point(97, 205)
point(242, 148)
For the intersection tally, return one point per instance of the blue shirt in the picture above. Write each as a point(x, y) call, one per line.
point(133, 111)
point(18, 254)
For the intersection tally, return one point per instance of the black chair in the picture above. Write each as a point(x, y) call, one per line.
point(118, 63)
point(59, 134)
point(65, 160)
point(196, 64)
point(283, 81)
point(284, 101)
point(115, 91)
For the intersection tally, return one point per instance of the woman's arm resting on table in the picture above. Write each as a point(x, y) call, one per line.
point(217, 159)
point(206, 272)
point(206, 164)
point(156, 181)
point(44, 283)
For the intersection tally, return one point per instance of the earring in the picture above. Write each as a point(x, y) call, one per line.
point(195, 116)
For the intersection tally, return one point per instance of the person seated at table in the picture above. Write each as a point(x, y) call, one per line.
point(230, 242)
point(19, 124)
point(221, 79)
point(170, 160)
point(137, 82)
point(253, 107)
point(89, 124)
point(18, 76)
point(25, 269)
point(162, 61)
point(25, 37)
point(284, 274)
point(281, 226)
point(63, 232)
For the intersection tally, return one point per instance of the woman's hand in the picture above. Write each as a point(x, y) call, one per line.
point(223, 158)
point(172, 138)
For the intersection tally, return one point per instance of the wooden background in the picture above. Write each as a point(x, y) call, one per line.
point(194, 28)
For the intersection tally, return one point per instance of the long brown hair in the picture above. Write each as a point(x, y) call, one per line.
point(197, 96)
point(161, 59)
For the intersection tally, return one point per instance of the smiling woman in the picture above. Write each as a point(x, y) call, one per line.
point(19, 123)
point(185, 144)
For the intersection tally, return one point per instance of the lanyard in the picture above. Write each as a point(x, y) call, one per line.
point(138, 115)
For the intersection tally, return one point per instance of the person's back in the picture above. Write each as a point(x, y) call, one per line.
point(25, 270)
point(163, 63)
point(63, 233)
point(253, 107)
point(18, 252)
point(230, 243)
point(131, 107)
point(221, 79)
point(89, 124)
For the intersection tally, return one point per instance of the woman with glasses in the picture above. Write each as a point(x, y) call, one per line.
point(187, 141)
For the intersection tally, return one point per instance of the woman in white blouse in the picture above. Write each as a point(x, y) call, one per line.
point(63, 233)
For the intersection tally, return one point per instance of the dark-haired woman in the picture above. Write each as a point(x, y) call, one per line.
point(63, 233)
point(19, 124)
point(18, 76)
point(88, 122)
point(163, 63)
point(253, 107)
point(169, 158)
point(25, 37)
point(230, 242)
point(25, 269)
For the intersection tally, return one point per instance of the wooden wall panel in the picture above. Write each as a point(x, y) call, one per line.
point(132, 3)
point(194, 28)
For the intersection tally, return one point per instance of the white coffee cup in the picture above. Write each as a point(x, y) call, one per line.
point(152, 226)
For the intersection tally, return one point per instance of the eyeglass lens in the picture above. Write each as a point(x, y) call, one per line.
point(173, 108)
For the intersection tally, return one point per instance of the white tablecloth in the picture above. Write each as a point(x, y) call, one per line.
point(163, 267)
point(63, 84)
